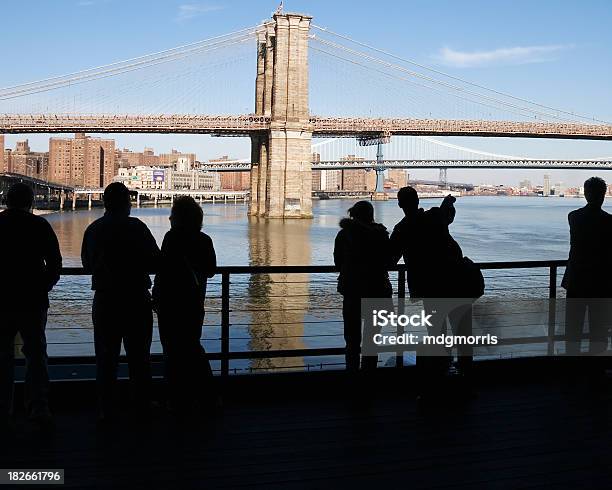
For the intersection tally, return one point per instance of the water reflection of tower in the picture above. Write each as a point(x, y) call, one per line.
point(278, 301)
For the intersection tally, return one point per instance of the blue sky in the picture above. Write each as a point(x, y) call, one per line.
point(557, 53)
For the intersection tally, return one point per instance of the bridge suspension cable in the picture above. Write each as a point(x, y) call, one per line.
point(132, 64)
point(415, 83)
point(458, 91)
point(458, 79)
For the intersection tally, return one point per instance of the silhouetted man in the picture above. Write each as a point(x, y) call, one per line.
point(361, 252)
point(422, 238)
point(588, 274)
point(434, 263)
point(31, 265)
point(120, 253)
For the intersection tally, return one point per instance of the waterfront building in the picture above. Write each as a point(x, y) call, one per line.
point(183, 164)
point(172, 158)
point(232, 181)
point(22, 160)
point(235, 181)
point(398, 177)
point(195, 180)
point(82, 161)
point(129, 158)
point(331, 180)
point(559, 189)
point(161, 178)
point(316, 180)
point(142, 177)
point(316, 174)
point(354, 180)
point(546, 187)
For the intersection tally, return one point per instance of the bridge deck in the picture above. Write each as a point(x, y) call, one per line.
point(288, 431)
point(245, 124)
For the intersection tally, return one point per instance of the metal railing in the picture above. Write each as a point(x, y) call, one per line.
point(540, 277)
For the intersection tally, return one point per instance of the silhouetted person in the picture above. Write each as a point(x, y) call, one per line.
point(31, 265)
point(435, 272)
point(430, 252)
point(588, 276)
point(120, 253)
point(361, 252)
point(188, 261)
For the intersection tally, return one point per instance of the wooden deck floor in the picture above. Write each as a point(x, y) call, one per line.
point(516, 434)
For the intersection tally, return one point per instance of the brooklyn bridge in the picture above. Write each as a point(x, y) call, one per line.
point(281, 127)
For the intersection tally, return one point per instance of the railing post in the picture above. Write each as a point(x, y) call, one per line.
point(552, 309)
point(225, 323)
point(401, 294)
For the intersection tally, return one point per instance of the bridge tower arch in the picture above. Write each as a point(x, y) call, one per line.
point(281, 175)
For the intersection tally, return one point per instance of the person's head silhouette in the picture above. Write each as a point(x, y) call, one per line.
point(408, 199)
point(117, 199)
point(20, 196)
point(362, 211)
point(595, 191)
point(186, 214)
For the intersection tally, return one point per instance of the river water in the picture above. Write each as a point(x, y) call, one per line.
point(295, 311)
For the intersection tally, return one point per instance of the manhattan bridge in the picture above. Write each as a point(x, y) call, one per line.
point(383, 110)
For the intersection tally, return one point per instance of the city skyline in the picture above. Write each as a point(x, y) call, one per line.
point(23, 159)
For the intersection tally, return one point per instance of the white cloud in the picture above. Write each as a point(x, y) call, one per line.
point(188, 11)
point(89, 3)
point(503, 56)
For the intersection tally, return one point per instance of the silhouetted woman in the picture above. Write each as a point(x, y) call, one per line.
point(188, 260)
point(362, 254)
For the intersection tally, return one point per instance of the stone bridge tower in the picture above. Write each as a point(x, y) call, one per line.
point(281, 175)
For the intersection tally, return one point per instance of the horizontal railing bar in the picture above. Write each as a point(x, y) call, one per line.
point(213, 356)
point(316, 269)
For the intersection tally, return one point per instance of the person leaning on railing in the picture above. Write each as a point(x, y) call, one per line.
point(588, 272)
point(120, 253)
point(188, 261)
point(31, 265)
point(361, 252)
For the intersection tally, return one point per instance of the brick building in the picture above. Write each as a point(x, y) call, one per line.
point(398, 177)
point(22, 160)
point(82, 161)
point(235, 181)
point(128, 158)
point(171, 159)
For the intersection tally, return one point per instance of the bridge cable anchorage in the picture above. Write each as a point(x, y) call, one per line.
point(132, 64)
point(467, 82)
point(421, 76)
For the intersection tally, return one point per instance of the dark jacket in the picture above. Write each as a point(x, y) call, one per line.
point(31, 259)
point(432, 256)
point(188, 261)
point(589, 269)
point(120, 253)
point(361, 252)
